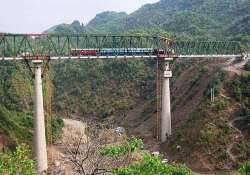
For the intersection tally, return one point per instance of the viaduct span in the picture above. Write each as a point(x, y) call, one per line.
point(37, 50)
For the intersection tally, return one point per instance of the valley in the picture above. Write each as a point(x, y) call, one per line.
point(187, 104)
point(100, 90)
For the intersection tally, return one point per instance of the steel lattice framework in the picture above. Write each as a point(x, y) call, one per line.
point(13, 45)
point(59, 45)
point(207, 47)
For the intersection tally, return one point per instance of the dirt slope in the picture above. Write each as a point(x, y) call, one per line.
point(187, 96)
point(72, 130)
point(207, 136)
point(237, 67)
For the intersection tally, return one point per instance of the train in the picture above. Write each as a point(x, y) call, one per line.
point(117, 52)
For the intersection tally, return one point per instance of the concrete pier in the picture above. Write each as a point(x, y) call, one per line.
point(39, 123)
point(166, 106)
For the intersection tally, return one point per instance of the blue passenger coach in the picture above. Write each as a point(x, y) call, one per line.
point(117, 52)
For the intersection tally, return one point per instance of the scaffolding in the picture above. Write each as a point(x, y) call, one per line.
point(48, 104)
point(158, 98)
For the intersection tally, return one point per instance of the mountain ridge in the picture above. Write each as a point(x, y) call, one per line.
point(181, 18)
point(74, 27)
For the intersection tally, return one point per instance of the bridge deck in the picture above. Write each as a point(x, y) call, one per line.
point(80, 57)
point(121, 57)
point(209, 56)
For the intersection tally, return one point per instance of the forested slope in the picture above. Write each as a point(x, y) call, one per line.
point(16, 106)
point(189, 19)
point(102, 88)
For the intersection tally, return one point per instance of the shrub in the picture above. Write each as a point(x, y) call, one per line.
point(215, 83)
point(244, 169)
point(57, 125)
point(247, 66)
point(129, 145)
point(222, 104)
point(240, 87)
point(148, 165)
point(153, 165)
point(18, 162)
point(245, 110)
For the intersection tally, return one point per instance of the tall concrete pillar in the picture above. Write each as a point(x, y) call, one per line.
point(39, 134)
point(166, 106)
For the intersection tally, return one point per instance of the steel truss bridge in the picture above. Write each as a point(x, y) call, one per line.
point(37, 49)
point(58, 46)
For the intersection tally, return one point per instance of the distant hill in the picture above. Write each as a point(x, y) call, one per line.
point(107, 22)
point(240, 27)
point(74, 27)
point(206, 18)
point(181, 18)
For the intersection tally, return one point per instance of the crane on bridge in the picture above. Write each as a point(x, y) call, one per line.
point(37, 50)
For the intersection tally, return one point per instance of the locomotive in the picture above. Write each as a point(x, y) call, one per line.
point(84, 52)
point(117, 52)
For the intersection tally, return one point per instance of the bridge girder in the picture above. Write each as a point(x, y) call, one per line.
point(59, 45)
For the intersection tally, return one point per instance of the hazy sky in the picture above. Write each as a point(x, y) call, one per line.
point(28, 16)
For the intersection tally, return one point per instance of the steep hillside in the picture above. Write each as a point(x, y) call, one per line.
point(15, 87)
point(206, 136)
point(213, 136)
point(16, 106)
point(14, 127)
point(102, 88)
point(240, 27)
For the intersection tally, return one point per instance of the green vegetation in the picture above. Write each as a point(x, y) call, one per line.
point(211, 133)
point(215, 83)
point(148, 165)
point(199, 19)
point(16, 116)
point(16, 131)
point(74, 27)
point(111, 88)
point(153, 165)
point(247, 66)
point(128, 146)
point(244, 169)
point(18, 126)
point(194, 82)
point(221, 104)
point(106, 21)
point(57, 125)
point(103, 87)
point(241, 91)
point(18, 162)
point(15, 86)
point(240, 87)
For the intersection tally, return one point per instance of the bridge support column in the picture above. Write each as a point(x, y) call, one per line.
point(166, 106)
point(39, 134)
